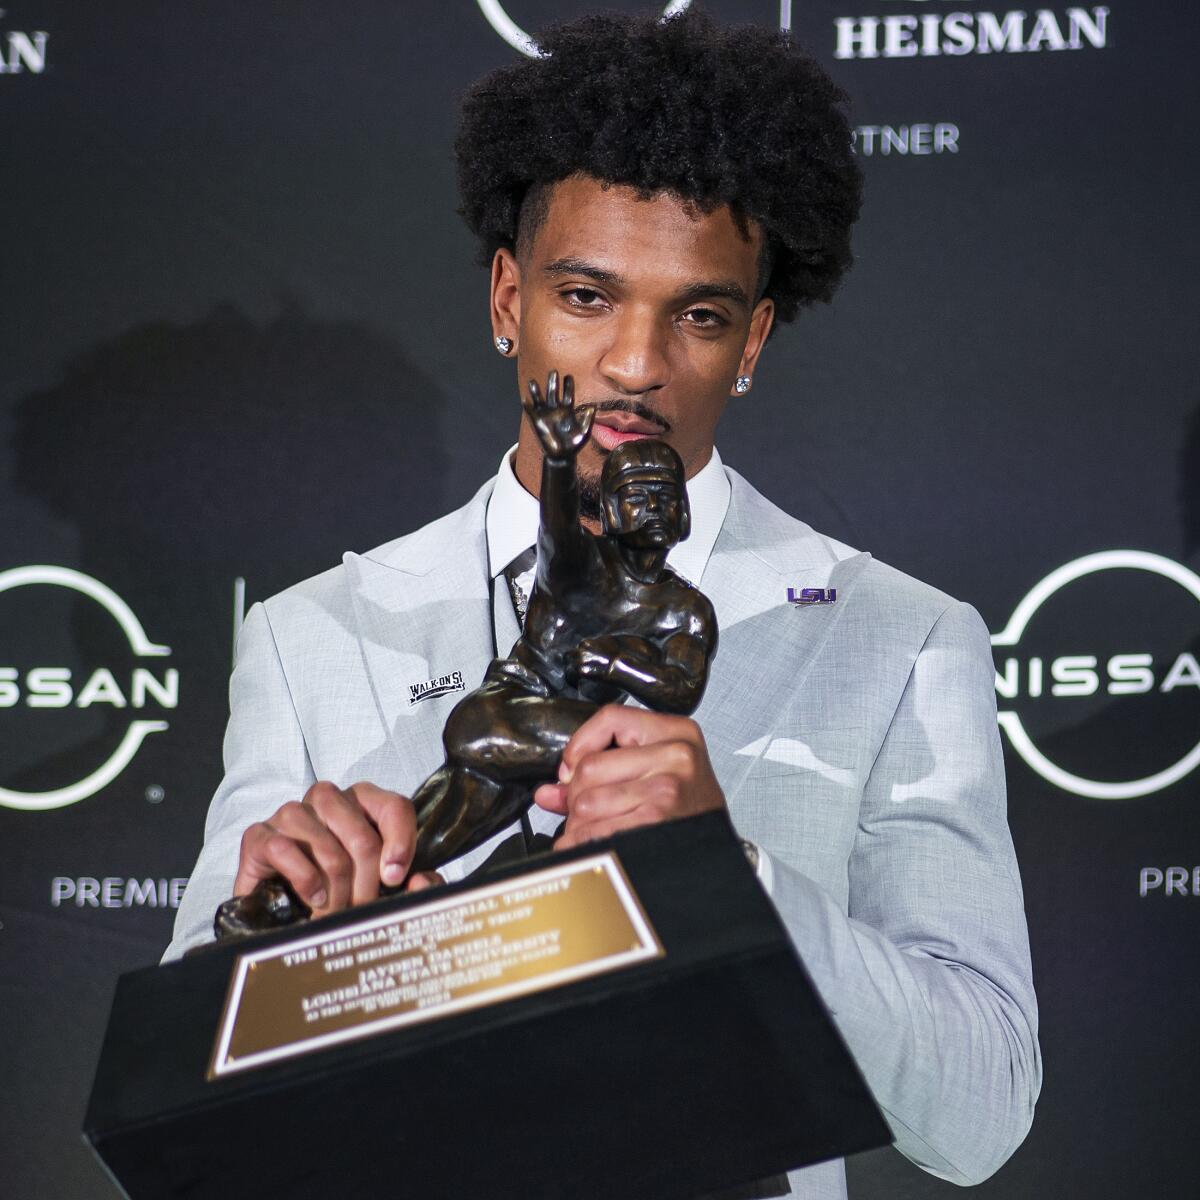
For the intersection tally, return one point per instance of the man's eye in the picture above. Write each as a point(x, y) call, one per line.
point(583, 297)
point(706, 318)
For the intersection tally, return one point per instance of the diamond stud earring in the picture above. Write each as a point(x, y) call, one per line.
point(742, 386)
point(504, 345)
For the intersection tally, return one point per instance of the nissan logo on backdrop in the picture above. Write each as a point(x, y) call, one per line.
point(498, 18)
point(1099, 662)
point(22, 52)
point(64, 668)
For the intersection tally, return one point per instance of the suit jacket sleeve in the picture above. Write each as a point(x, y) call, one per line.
point(266, 765)
point(928, 974)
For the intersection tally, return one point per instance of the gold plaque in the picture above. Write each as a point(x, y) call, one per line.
point(538, 931)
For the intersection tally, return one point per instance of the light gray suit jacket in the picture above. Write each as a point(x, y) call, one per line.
point(856, 743)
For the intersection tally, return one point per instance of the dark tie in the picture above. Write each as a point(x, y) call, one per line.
point(512, 572)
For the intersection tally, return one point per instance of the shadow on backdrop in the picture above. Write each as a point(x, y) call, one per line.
point(187, 455)
point(262, 450)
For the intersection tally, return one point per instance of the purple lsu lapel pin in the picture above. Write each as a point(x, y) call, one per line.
point(812, 595)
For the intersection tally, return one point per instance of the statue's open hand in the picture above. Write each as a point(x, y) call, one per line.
point(561, 427)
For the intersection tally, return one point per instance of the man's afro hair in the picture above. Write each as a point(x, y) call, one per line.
point(735, 115)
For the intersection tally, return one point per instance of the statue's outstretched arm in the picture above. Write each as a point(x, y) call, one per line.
point(563, 430)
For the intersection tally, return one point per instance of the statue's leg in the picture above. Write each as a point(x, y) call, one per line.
point(501, 742)
point(507, 734)
point(457, 810)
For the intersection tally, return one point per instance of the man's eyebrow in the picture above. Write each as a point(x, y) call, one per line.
point(580, 266)
point(725, 288)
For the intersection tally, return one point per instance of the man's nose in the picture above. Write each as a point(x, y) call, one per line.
point(636, 358)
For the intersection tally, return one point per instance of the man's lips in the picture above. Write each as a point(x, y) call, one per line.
point(613, 428)
point(611, 438)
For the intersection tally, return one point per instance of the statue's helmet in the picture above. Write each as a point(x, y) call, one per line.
point(643, 459)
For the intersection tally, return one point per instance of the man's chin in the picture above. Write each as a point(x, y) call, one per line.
point(589, 495)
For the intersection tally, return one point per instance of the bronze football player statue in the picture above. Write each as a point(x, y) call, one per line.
point(607, 621)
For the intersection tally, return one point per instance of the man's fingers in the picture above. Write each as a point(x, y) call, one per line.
point(301, 823)
point(580, 833)
point(613, 799)
point(634, 767)
point(630, 763)
point(614, 724)
point(422, 880)
point(334, 848)
point(535, 393)
point(396, 820)
point(552, 797)
point(267, 853)
point(552, 390)
point(568, 389)
point(355, 832)
point(597, 812)
point(627, 765)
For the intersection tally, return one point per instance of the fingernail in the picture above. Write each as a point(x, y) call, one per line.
point(320, 898)
point(564, 773)
point(392, 873)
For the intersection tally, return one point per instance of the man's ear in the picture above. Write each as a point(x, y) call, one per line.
point(506, 296)
point(685, 522)
point(761, 321)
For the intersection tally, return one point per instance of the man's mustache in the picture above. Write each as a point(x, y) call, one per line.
point(635, 408)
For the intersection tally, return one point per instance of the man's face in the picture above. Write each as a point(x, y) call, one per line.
point(650, 308)
point(645, 512)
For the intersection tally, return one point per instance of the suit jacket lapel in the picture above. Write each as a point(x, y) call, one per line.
point(767, 645)
point(423, 611)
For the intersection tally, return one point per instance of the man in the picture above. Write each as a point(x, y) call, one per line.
point(651, 197)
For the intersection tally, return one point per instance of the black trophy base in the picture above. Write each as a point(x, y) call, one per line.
point(672, 1079)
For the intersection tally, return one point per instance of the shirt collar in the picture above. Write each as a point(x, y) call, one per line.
point(513, 515)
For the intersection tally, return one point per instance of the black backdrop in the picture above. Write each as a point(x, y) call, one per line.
point(241, 322)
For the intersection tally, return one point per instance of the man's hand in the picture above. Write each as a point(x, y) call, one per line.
point(625, 767)
point(561, 429)
point(335, 847)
